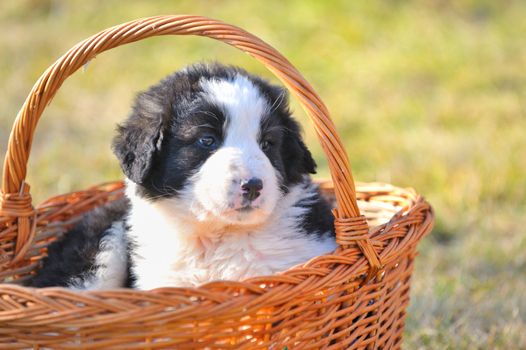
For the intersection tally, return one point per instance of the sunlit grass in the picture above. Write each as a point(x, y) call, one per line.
point(427, 94)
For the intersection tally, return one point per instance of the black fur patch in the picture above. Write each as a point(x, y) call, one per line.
point(74, 254)
point(318, 219)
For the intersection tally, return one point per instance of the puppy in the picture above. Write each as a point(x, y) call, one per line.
point(217, 188)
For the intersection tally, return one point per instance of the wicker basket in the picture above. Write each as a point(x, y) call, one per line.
point(353, 298)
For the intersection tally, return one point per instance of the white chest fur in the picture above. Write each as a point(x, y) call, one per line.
point(173, 249)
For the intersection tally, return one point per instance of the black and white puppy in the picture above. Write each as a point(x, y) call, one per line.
point(217, 188)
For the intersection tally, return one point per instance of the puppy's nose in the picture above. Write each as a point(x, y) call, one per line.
point(251, 188)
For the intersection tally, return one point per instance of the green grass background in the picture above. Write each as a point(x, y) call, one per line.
point(426, 94)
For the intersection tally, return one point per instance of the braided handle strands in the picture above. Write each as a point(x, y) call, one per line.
point(15, 200)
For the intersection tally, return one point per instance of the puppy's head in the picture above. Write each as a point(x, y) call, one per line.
point(217, 140)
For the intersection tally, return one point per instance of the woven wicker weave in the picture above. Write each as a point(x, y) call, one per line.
point(353, 298)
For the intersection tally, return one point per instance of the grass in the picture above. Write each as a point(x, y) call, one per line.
point(427, 94)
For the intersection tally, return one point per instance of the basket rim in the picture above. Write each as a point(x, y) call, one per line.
point(349, 265)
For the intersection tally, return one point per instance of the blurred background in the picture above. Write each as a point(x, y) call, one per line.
point(425, 94)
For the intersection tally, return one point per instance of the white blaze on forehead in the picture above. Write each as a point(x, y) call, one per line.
point(217, 184)
point(243, 105)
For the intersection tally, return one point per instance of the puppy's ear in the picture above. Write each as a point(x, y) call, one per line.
point(296, 157)
point(139, 138)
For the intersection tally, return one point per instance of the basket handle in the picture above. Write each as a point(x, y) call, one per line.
point(351, 227)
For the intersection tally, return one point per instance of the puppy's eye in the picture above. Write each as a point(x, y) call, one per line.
point(266, 145)
point(207, 141)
